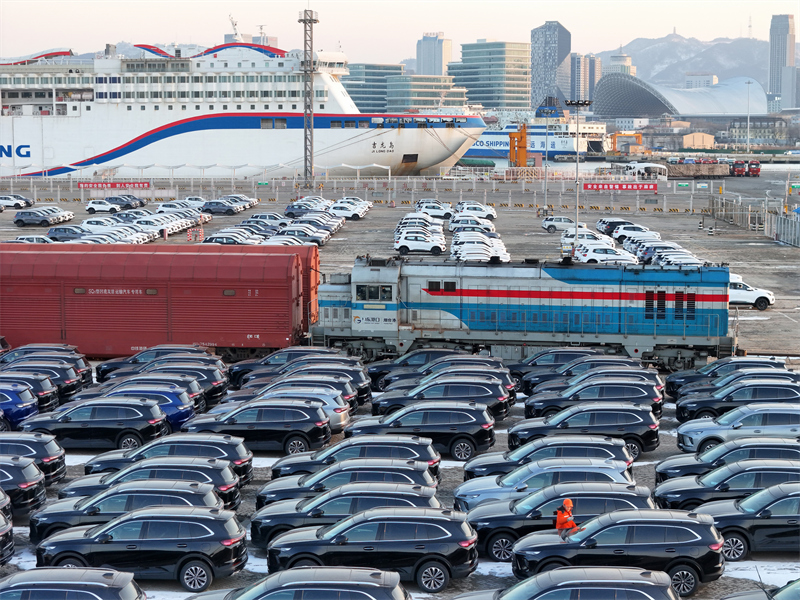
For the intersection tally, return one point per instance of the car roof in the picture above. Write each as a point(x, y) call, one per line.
point(450, 404)
point(60, 575)
point(595, 487)
point(282, 403)
point(379, 463)
point(105, 400)
point(183, 512)
point(764, 463)
point(184, 461)
point(655, 514)
point(440, 514)
point(621, 380)
point(26, 436)
point(613, 575)
point(605, 405)
point(769, 382)
point(583, 463)
point(340, 576)
point(770, 406)
point(17, 461)
point(413, 440)
point(199, 438)
point(567, 440)
point(391, 489)
point(744, 442)
point(165, 485)
point(477, 379)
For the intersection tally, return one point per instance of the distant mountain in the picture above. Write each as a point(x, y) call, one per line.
point(666, 60)
point(125, 48)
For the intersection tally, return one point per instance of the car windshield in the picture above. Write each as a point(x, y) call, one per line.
point(570, 390)
point(309, 503)
point(528, 503)
point(756, 502)
point(724, 391)
point(332, 531)
point(715, 477)
point(519, 591)
point(250, 592)
point(730, 417)
point(788, 592)
point(713, 453)
point(707, 368)
point(513, 478)
point(518, 453)
point(589, 528)
point(559, 416)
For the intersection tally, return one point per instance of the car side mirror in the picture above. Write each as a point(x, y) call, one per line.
point(736, 426)
point(318, 487)
point(765, 514)
point(521, 487)
point(723, 487)
point(563, 425)
point(727, 398)
point(419, 396)
point(340, 540)
point(590, 543)
point(397, 424)
point(576, 397)
point(329, 460)
point(92, 510)
point(65, 419)
point(718, 463)
point(230, 421)
point(104, 539)
point(535, 514)
point(316, 512)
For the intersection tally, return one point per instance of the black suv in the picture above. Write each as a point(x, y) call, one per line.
point(104, 584)
point(145, 356)
point(64, 377)
point(399, 447)
point(193, 545)
point(318, 360)
point(46, 452)
point(187, 382)
point(598, 374)
point(181, 358)
point(727, 452)
point(500, 373)
point(560, 446)
point(202, 470)
point(764, 522)
point(23, 482)
point(106, 422)
point(730, 482)
point(321, 583)
point(585, 582)
point(118, 500)
point(413, 360)
point(423, 544)
point(697, 406)
point(41, 386)
point(276, 424)
point(500, 524)
point(410, 472)
point(735, 377)
point(73, 359)
point(551, 357)
point(634, 423)
point(7, 357)
point(193, 445)
point(334, 505)
point(209, 377)
point(356, 374)
point(458, 428)
point(238, 370)
point(474, 361)
point(607, 390)
point(343, 385)
point(718, 368)
point(576, 367)
point(645, 538)
point(485, 390)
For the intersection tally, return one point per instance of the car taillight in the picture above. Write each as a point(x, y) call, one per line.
point(70, 380)
point(716, 546)
point(83, 370)
point(659, 387)
point(487, 425)
point(341, 409)
point(232, 541)
point(348, 396)
point(433, 461)
point(154, 421)
point(220, 382)
point(225, 488)
point(468, 543)
point(183, 406)
point(24, 486)
point(509, 386)
point(657, 399)
point(322, 423)
point(48, 459)
point(653, 426)
point(241, 461)
point(195, 394)
point(44, 393)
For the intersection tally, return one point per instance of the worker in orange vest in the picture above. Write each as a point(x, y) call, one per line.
point(564, 522)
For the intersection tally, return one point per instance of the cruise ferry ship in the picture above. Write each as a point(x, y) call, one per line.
point(234, 110)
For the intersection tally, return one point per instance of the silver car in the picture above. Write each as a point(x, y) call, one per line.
point(538, 474)
point(335, 407)
point(766, 419)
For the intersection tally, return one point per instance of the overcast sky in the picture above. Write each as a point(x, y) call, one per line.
point(373, 30)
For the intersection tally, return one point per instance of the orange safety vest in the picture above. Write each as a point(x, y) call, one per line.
point(564, 519)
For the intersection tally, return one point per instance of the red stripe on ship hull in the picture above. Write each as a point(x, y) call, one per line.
point(568, 295)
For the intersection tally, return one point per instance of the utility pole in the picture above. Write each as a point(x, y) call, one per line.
point(308, 18)
point(577, 104)
point(547, 112)
point(748, 83)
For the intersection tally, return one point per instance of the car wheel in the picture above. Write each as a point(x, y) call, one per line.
point(129, 441)
point(436, 251)
point(621, 239)
point(54, 529)
point(290, 215)
point(355, 217)
point(735, 547)
point(490, 217)
point(705, 414)
point(113, 210)
point(305, 562)
point(168, 426)
point(448, 216)
point(762, 304)
point(72, 562)
point(196, 576)
point(381, 384)
point(43, 223)
point(18, 206)
point(708, 444)
point(550, 412)
point(462, 449)
point(4, 425)
point(91, 211)
point(517, 379)
point(19, 223)
point(230, 212)
point(634, 448)
point(551, 229)
point(432, 577)
point(207, 211)
point(295, 445)
point(552, 566)
point(591, 261)
point(684, 580)
point(403, 250)
point(500, 546)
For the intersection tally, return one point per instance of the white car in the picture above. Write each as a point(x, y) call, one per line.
point(435, 209)
point(348, 211)
point(173, 206)
point(272, 218)
point(12, 202)
point(482, 255)
point(553, 224)
point(194, 201)
point(740, 293)
point(100, 224)
point(665, 256)
point(624, 231)
point(356, 199)
point(603, 254)
point(411, 222)
point(477, 210)
point(96, 206)
point(463, 245)
point(249, 202)
point(283, 241)
point(682, 261)
point(434, 235)
point(636, 240)
point(35, 239)
point(417, 242)
point(56, 211)
point(568, 237)
point(461, 220)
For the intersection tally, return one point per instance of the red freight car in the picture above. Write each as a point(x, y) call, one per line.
point(111, 303)
point(309, 260)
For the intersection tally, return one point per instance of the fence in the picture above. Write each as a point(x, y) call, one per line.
point(783, 229)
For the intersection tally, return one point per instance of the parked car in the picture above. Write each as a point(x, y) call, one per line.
point(45, 451)
point(599, 374)
point(766, 521)
point(17, 403)
point(334, 505)
point(458, 428)
point(171, 399)
point(549, 358)
point(577, 366)
point(750, 420)
point(735, 377)
point(35, 217)
point(436, 366)
point(222, 207)
point(145, 356)
point(64, 377)
point(42, 387)
point(95, 206)
point(23, 482)
point(105, 422)
point(607, 389)
point(500, 524)
point(105, 584)
point(185, 382)
point(193, 545)
point(389, 538)
point(276, 359)
point(723, 400)
point(716, 369)
point(77, 361)
point(116, 501)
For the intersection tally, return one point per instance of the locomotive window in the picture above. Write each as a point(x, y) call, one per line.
point(449, 286)
point(386, 293)
point(648, 304)
point(361, 292)
point(679, 306)
point(661, 305)
point(434, 286)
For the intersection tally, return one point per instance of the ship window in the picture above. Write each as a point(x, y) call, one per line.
point(211, 79)
point(266, 93)
point(280, 64)
point(266, 79)
point(141, 108)
point(197, 94)
point(155, 94)
point(238, 107)
point(224, 64)
point(252, 94)
point(183, 79)
point(224, 94)
point(267, 124)
point(210, 107)
point(88, 108)
point(39, 95)
point(252, 107)
point(211, 94)
point(223, 79)
point(169, 107)
point(183, 107)
point(141, 80)
point(225, 107)
point(336, 124)
point(130, 108)
point(322, 106)
point(155, 80)
point(169, 94)
point(74, 108)
point(280, 123)
point(280, 106)
point(349, 124)
point(266, 107)
point(197, 79)
point(294, 106)
point(196, 107)
point(251, 78)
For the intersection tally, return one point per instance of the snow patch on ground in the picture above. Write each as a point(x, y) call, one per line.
point(255, 564)
point(264, 461)
point(25, 560)
point(772, 573)
point(495, 569)
point(670, 405)
point(153, 595)
point(75, 460)
point(451, 464)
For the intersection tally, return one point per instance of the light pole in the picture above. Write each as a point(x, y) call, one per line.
point(748, 83)
point(577, 104)
point(547, 112)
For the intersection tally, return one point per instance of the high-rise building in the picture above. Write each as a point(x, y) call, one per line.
point(495, 74)
point(789, 85)
point(247, 38)
point(595, 71)
point(433, 54)
point(550, 62)
point(423, 92)
point(781, 50)
point(366, 85)
point(266, 40)
point(693, 81)
point(620, 63)
point(579, 77)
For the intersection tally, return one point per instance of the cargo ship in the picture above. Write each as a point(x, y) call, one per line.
point(233, 110)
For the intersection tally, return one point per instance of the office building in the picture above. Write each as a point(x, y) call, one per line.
point(693, 81)
point(595, 70)
point(366, 85)
point(620, 63)
point(246, 38)
point(422, 92)
point(433, 54)
point(579, 77)
point(266, 40)
point(495, 74)
point(789, 83)
point(550, 62)
point(781, 50)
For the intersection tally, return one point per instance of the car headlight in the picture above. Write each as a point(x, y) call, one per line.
point(691, 433)
point(471, 496)
point(479, 469)
point(49, 547)
point(672, 471)
point(692, 405)
point(532, 552)
point(270, 495)
point(481, 524)
point(281, 548)
point(39, 519)
point(264, 521)
point(672, 495)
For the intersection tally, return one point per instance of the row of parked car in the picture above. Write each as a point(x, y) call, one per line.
point(274, 229)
